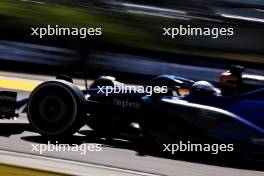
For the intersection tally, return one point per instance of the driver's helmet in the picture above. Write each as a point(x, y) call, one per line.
point(204, 87)
point(231, 80)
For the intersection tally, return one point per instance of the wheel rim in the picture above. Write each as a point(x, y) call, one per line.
point(52, 108)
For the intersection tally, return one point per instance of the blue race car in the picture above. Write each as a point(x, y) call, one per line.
point(187, 109)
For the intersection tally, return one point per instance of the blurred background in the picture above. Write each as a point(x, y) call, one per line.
point(132, 43)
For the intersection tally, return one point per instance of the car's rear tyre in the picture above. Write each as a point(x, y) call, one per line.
point(56, 108)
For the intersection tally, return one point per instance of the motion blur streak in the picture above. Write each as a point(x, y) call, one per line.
point(243, 18)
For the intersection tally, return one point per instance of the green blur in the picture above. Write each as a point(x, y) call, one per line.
point(120, 28)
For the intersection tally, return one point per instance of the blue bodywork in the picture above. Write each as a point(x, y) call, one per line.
point(245, 122)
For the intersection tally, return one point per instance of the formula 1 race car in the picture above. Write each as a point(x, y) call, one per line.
point(187, 109)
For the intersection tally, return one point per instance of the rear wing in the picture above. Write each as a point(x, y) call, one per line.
point(7, 104)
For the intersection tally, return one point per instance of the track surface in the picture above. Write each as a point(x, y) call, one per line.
point(16, 135)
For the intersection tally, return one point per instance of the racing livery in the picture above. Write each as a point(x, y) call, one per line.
point(188, 110)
